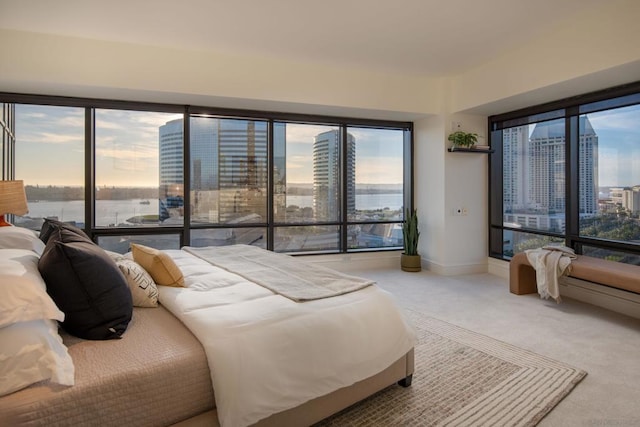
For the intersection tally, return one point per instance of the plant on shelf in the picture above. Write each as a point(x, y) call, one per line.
point(463, 139)
point(410, 260)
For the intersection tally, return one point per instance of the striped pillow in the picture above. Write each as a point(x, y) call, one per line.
point(144, 291)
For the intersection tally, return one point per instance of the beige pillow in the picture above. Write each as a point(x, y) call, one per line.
point(144, 291)
point(158, 264)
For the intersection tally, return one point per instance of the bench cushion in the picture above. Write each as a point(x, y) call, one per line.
point(522, 277)
point(611, 273)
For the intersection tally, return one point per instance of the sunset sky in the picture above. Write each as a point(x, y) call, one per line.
point(50, 148)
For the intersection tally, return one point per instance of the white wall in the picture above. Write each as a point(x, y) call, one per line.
point(596, 49)
point(71, 66)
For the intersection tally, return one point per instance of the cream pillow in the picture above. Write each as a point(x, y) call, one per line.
point(32, 352)
point(158, 264)
point(143, 289)
point(20, 238)
point(23, 294)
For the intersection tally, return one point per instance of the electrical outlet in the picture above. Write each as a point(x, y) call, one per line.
point(461, 211)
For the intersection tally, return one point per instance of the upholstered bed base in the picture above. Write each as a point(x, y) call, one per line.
point(322, 407)
point(157, 375)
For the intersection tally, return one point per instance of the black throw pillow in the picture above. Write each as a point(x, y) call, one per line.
point(49, 226)
point(87, 285)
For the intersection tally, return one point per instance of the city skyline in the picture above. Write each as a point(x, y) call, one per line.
point(127, 148)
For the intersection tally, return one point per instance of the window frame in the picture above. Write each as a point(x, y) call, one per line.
point(187, 112)
point(570, 109)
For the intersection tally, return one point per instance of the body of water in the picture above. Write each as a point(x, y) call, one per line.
point(116, 212)
point(107, 211)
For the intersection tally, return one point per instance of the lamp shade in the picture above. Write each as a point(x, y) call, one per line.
point(13, 199)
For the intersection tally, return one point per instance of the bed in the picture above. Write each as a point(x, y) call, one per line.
point(165, 367)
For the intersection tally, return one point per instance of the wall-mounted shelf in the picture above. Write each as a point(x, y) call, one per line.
point(469, 150)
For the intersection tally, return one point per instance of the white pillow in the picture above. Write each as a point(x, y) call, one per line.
point(144, 291)
point(31, 352)
point(20, 238)
point(23, 295)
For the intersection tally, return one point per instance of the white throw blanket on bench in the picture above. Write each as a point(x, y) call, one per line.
point(550, 262)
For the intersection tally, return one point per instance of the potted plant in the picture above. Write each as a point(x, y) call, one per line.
point(410, 260)
point(463, 139)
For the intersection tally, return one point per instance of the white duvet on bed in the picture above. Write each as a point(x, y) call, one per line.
point(267, 353)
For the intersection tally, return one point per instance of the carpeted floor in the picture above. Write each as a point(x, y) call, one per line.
point(466, 379)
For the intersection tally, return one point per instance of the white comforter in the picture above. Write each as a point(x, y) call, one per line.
point(267, 353)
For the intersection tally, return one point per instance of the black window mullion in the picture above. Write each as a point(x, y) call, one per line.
point(344, 180)
point(89, 169)
point(408, 150)
point(496, 193)
point(186, 176)
point(572, 171)
point(270, 184)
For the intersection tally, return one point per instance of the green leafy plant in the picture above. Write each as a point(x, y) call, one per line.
point(463, 139)
point(410, 232)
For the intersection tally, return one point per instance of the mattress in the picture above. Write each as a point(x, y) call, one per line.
point(157, 374)
point(269, 354)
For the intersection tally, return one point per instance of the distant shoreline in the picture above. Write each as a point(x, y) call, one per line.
point(54, 193)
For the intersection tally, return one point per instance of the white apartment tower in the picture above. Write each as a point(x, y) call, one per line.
point(534, 173)
point(326, 175)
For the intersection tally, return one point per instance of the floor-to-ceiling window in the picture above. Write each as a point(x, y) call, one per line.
point(307, 186)
point(167, 175)
point(138, 163)
point(50, 159)
point(569, 172)
point(228, 181)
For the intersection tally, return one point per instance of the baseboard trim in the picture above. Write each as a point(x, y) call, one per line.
point(454, 270)
point(617, 300)
point(356, 260)
point(498, 267)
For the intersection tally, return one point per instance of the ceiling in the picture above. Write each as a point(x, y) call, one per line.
point(421, 37)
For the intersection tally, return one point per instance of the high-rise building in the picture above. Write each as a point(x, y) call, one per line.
point(326, 175)
point(204, 158)
point(515, 187)
point(534, 174)
point(171, 158)
point(228, 162)
point(242, 160)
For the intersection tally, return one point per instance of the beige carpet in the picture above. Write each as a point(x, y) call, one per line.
point(466, 379)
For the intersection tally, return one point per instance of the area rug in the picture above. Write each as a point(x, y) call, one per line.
point(466, 379)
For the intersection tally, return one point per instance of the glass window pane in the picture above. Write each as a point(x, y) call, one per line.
point(609, 170)
point(306, 173)
point(256, 236)
point(138, 168)
point(534, 176)
point(306, 238)
point(375, 174)
point(50, 160)
point(516, 241)
point(122, 244)
point(362, 236)
point(611, 255)
point(228, 171)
